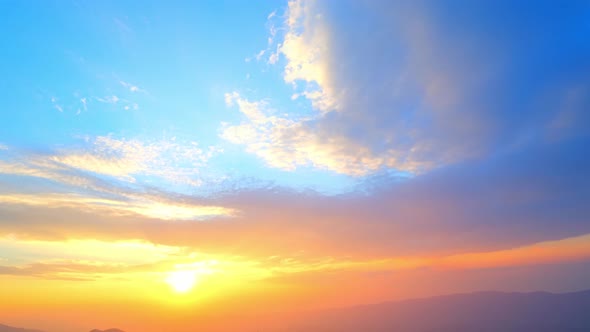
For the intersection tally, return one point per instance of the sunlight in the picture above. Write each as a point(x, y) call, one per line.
point(295, 165)
point(182, 281)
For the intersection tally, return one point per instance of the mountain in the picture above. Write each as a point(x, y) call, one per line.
point(6, 328)
point(474, 312)
point(482, 312)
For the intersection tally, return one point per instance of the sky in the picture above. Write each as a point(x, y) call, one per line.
point(164, 164)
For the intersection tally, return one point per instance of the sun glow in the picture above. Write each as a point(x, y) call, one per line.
point(182, 281)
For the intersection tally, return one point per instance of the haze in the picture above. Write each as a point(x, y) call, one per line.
point(192, 165)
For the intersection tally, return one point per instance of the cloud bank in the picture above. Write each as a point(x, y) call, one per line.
point(415, 87)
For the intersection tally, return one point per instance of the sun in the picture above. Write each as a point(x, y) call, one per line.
point(182, 281)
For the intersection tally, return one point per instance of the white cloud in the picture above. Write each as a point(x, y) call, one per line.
point(57, 106)
point(83, 101)
point(306, 49)
point(146, 206)
point(125, 104)
point(289, 143)
point(81, 170)
point(167, 160)
point(260, 55)
point(272, 51)
point(131, 87)
point(109, 99)
point(273, 58)
point(125, 158)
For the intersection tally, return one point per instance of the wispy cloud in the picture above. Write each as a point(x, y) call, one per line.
point(133, 106)
point(131, 87)
point(125, 159)
point(56, 105)
point(260, 55)
point(273, 50)
point(125, 104)
point(84, 102)
point(271, 15)
point(81, 103)
point(133, 204)
point(101, 172)
point(108, 99)
point(288, 143)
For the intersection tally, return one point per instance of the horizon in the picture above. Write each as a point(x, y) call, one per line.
point(164, 164)
point(512, 311)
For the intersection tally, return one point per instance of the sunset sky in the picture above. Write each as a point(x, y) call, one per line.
point(167, 163)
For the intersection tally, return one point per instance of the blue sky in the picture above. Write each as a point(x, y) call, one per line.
point(79, 70)
point(340, 131)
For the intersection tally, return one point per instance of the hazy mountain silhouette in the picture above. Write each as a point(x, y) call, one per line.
point(474, 312)
point(482, 312)
point(6, 328)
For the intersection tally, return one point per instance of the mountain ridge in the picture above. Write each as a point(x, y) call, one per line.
point(6, 328)
point(486, 311)
point(477, 311)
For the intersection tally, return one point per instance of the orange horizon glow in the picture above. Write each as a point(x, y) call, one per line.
point(211, 284)
point(207, 166)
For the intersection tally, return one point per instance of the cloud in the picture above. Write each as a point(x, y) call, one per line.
point(84, 102)
point(100, 175)
point(57, 106)
point(126, 104)
point(123, 158)
point(273, 58)
point(85, 270)
point(71, 271)
point(491, 119)
point(90, 260)
point(288, 143)
point(473, 207)
point(109, 99)
point(306, 47)
point(496, 144)
point(526, 196)
point(133, 204)
point(131, 87)
point(81, 104)
point(259, 55)
point(412, 87)
point(272, 49)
